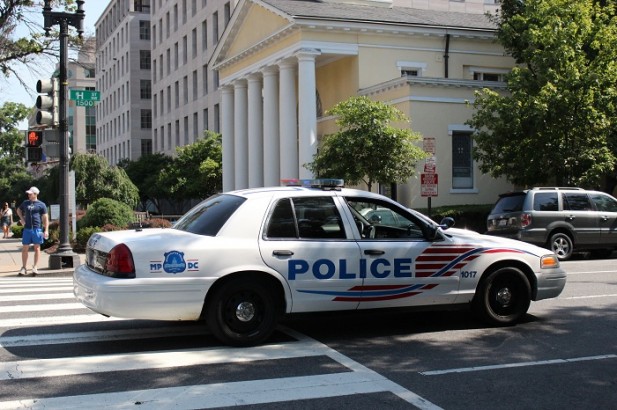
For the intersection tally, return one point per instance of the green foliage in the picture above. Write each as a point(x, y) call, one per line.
point(82, 236)
point(14, 178)
point(557, 122)
point(95, 179)
point(107, 211)
point(16, 52)
point(367, 148)
point(144, 173)
point(17, 230)
point(472, 217)
point(196, 171)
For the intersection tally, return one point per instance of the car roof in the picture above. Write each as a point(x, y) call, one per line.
point(281, 191)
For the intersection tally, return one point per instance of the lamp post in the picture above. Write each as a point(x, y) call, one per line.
point(64, 256)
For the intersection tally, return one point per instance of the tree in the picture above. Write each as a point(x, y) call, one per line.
point(367, 148)
point(196, 171)
point(144, 174)
point(557, 121)
point(14, 178)
point(23, 51)
point(95, 179)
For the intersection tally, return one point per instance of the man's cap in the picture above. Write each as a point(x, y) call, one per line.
point(33, 190)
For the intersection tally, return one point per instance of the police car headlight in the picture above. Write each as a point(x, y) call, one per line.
point(549, 262)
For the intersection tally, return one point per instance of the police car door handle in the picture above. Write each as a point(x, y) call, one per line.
point(373, 252)
point(282, 253)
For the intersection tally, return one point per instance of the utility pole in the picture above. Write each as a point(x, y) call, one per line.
point(64, 256)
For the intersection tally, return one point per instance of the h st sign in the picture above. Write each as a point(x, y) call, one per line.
point(85, 98)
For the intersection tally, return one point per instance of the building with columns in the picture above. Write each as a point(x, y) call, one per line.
point(282, 64)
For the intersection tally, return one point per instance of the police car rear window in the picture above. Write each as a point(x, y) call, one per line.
point(208, 217)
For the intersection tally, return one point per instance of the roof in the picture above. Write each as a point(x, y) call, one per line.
point(325, 10)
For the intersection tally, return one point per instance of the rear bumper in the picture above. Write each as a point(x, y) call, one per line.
point(146, 298)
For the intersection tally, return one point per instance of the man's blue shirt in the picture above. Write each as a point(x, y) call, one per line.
point(33, 212)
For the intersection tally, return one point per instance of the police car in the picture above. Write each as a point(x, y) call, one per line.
point(243, 259)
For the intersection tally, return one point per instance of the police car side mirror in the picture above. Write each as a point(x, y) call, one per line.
point(447, 222)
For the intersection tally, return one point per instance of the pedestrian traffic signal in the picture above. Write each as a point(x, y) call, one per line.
point(47, 102)
point(34, 151)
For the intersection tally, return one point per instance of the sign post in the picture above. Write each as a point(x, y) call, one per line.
point(429, 179)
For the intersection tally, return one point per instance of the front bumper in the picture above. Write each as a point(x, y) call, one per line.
point(550, 283)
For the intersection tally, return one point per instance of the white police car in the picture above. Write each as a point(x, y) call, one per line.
point(242, 259)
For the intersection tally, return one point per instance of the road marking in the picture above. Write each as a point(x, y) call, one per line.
point(515, 365)
point(55, 320)
point(38, 296)
point(41, 307)
point(591, 296)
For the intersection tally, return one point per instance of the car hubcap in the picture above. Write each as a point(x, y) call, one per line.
point(561, 247)
point(245, 311)
point(504, 296)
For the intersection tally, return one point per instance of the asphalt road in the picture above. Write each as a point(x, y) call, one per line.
point(55, 354)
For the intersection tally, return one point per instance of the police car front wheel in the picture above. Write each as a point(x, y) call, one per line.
point(503, 297)
point(242, 312)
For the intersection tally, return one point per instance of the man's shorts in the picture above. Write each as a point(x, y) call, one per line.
point(32, 236)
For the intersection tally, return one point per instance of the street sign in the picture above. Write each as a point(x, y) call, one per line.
point(428, 185)
point(85, 98)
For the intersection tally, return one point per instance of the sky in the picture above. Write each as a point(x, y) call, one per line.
point(12, 90)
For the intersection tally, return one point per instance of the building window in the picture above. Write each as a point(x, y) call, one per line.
point(142, 5)
point(144, 59)
point(411, 68)
point(146, 119)
point(462, 161)
point(145, 89)
point(146, 147)
point(144, 30)
point(215, 26)
point(227, 11)
point(204, 35)
point(488, 74)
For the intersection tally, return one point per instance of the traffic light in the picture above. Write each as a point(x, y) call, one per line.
point(34, 151)
point(47, 102)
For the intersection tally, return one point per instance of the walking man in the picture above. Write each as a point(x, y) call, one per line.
point(33, 216)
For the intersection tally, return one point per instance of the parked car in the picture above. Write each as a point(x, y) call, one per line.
point(242, 259)
point(565, 220)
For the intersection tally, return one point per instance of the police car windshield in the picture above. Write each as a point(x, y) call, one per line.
point(209, 216)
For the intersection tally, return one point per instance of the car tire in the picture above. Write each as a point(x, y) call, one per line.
point(242, 312)
point(562, 245)
point(502, 297)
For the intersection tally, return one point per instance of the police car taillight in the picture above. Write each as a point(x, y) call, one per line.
point(119, 262)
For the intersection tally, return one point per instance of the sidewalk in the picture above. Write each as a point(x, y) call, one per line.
point(10, 260)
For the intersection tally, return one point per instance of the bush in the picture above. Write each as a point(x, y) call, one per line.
point(472, 217)
point(156, 223)
point(82, 237)
point(17, 230)
point(107, 211)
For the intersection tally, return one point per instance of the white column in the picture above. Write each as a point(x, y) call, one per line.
point(288, 120)
point(227, 131)
point(240, 135)
point(272, 147)
point(307, 110)
point(255, 132)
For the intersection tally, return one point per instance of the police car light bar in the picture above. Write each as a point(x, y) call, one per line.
point(321, 183)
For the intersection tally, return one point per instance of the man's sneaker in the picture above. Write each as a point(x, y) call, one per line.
point(22, 272)
point(35, 271)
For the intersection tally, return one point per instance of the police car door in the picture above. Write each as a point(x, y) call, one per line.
point(396, 258)
point(307, 242)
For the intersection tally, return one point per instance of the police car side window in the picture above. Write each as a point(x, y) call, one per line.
point(377, 220)
point(305, 218)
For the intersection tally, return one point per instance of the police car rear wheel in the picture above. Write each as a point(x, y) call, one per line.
point(242, 313)
point(503, 297)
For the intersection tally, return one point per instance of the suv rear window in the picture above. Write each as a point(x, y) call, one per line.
point(545, 201)
point(509, 203)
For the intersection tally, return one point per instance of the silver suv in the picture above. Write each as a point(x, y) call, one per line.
point(564, 220)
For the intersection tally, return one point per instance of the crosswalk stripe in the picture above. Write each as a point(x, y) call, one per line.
point(41, 307)
point(37, 296)
point(55, 320)
point(99, 336)
point(216, 395)
point(150, 360)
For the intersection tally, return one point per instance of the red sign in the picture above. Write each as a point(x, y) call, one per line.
point(428, 184)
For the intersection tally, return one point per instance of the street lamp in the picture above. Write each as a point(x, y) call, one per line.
point(64, 256)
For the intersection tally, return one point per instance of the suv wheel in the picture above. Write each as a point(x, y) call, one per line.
point(562, 245)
